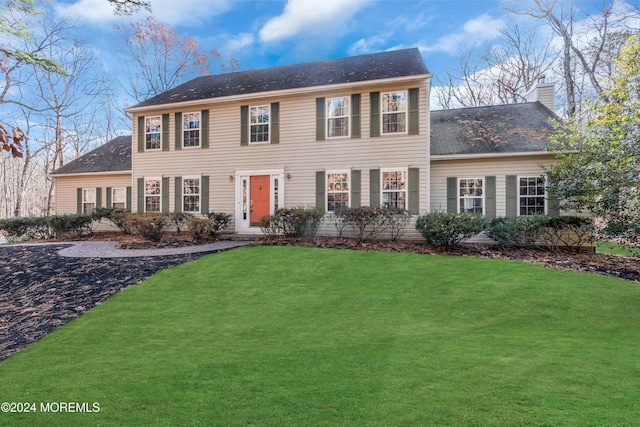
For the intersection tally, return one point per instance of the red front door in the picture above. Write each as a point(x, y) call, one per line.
point(260, 194)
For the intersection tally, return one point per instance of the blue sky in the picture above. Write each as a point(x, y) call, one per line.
point(278, 32)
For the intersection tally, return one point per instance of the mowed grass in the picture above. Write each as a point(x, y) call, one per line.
point(284, 336)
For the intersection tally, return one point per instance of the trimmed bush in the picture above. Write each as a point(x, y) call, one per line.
point(199, 228)
point(150, 225)
point(292, 222)
point(219, 220)
point(397, 221)
point(366, 222)
point(179, 220)
point(14, 228)
point(449, 229)
point(508, 232)
point(36, 227)
point(76, 224)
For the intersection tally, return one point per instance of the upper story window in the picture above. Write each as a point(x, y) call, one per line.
point(88, 200)
point(152, 193)
point(337, 191)
point(394, 112)
point(153, 130)
point(191, 130)
point(337, 117)
point(531, 195)
point(471, 191)
point(191, 194)
point(119, 198)
point(259, 123)
point(394, 189)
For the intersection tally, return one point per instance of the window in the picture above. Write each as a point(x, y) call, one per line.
point(259, 123)
point(88, 200)
point(337, 191)
point(191, 194)
point(191, 130)
point(152, 195)
point(119, 198)
point(394, 112)
point(337, 117)
point(153, 129)
point(394, 189)
point(471, 195)
point(531, 195)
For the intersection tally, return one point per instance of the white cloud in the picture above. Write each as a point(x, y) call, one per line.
point(478, 30)
point(183, 12)
point(310, 16)
point(371, 44)
point(243, 40)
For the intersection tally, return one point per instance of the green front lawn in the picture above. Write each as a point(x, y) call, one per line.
point(283, 336)
point(616, 249)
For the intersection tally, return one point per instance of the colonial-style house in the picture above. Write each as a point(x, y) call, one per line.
point(341, 132)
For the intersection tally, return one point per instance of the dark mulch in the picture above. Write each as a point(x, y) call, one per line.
point(40, 291)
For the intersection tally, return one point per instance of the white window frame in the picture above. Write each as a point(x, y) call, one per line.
point(257, 108)
point(185, 130)
point(406, 185)
point(326, 187)
point(387, 113)
point(159, 195)
point(185, 195)
point(544, 196)
point(87, 200)
point(113, 197)
point(484, 204)
point(346, 114)
point(148, 133)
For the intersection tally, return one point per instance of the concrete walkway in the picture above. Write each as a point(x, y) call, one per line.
point(107, 249)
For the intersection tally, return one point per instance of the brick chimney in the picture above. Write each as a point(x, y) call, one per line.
point(542, 92)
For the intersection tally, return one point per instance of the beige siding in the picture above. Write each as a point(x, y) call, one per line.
point(479, 168)
point(66, 190)
point(298, 154)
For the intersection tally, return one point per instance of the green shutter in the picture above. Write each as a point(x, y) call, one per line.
point(99, 197)
point(320, 122)
point(141, 134)
point(553, 204)
point(244, 125)
point(140, 195)
point(109, 197)
point(164, 190)
point(414, 191)
point(79, 200)
point(356, 185)
point(452, 194)
point(179, 127)
point(204, 129)
point(375, 113)
point(320, 194)
point(512, 195)
point(374, 188)
point(355, 115)
point(128, 205)
point(178, 195)
point(165, 132)
point(204, 195)
point(275, 123)
point(490, 196)
point(414, 111)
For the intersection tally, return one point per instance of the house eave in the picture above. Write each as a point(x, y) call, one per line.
point(123, 172)
point(479, 156)
point(279, 93)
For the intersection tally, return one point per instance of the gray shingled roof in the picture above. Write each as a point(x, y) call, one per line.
point(376, 66)
point(512, 128)
point(113, 156)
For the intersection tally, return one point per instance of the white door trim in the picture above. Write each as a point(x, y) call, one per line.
point(243, 196)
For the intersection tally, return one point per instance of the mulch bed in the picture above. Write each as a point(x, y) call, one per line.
point(40, 290)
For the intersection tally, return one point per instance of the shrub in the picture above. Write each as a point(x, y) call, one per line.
point(293, 222)
point(37, 227)
point(77, 224)
point(568, 231)
point(199, 228)
point(150, 225)
point(179, 220)
point(219, 220)
point(14, 228)
point(366, 222)
point(103, 213)
point(397, 221)
point(449, 229)
point(507, 232)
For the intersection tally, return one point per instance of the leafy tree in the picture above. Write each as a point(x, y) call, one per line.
point(598, 167)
